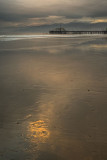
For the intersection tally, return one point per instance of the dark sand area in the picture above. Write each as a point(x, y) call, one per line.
point(53, 99)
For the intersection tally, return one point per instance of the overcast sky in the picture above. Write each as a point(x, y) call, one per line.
point(19, 13)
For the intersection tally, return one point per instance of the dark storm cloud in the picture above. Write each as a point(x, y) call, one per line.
point(11, 17)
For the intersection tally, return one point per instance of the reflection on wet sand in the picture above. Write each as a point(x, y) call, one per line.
point(38, 131)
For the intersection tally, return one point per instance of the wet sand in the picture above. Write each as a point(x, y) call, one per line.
point(53, 99)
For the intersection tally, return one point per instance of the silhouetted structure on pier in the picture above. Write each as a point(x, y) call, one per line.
point(58, 31)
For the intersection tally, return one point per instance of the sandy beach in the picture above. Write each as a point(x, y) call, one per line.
point(53, 98)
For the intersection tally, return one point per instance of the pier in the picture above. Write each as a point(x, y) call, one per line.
point(63, 31)
point(78, 32)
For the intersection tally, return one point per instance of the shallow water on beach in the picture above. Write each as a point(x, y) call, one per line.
point(53, 101)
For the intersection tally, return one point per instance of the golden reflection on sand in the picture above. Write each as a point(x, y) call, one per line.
point(99, 46)
point(38, 131)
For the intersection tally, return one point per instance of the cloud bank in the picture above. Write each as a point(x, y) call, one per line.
point(21, 13)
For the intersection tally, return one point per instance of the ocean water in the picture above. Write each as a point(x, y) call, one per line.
point(49, 36)
point(53, 97)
